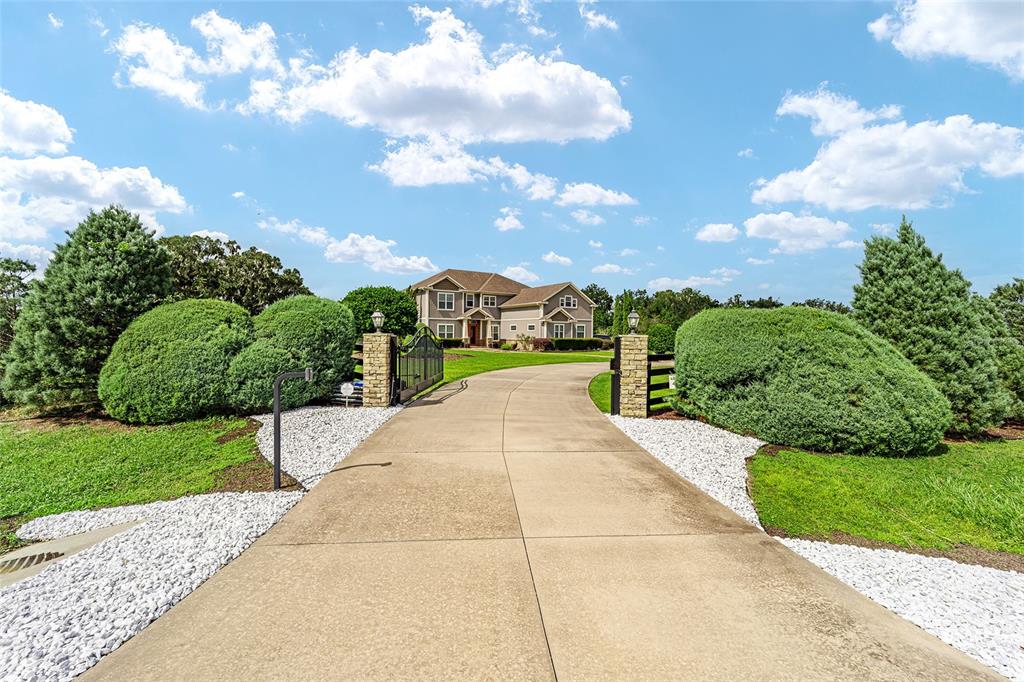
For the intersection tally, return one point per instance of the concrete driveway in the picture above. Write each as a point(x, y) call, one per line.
point(503, 529)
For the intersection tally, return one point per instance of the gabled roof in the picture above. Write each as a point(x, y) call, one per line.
point(537, 295)
point(471, 280)
point(469, 313)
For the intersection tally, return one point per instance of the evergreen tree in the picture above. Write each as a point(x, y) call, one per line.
point(1009, 300)
point(908, 296)
point(624, 303)
point(14, 274)
point(108, 272)
point(1009, 353)
point(602, 306)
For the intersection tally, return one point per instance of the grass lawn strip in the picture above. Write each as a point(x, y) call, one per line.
point(977, 609)
point(479, 361)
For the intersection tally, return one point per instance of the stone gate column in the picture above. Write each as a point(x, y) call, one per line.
point(377, 369)
point(633, 375)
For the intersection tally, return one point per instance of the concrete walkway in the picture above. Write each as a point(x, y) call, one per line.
point(504, 529)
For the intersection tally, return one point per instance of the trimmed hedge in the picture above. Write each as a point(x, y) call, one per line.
point(660, 338)
point(542, 344)
point(171, 363)
point(806, 378)
point(292, 334)
point(576, 344)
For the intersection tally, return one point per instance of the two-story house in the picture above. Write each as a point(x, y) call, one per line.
point(485, 306)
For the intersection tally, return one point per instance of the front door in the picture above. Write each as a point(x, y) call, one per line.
point(474, 332)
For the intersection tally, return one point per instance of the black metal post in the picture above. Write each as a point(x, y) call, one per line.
point(616, 377)
point(308, 376)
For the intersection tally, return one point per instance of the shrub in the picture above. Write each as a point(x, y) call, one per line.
point(908, 296)
point(1009, 353)
point(524, 342)
point(661, 338)
point(508, 346)
point(399, 309)
point(542, 344)
point(806, 378)
point(576, 344)
point(172, 362)
point(1009, 300)
point(292, 334)
point(453, 343)
point(108, 272)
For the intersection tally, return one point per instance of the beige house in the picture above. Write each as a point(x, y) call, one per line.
point(484, 306)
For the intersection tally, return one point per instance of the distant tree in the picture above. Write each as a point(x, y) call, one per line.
point(602, 306)
point(109, 271)
point(825, 304)
point(210, 268)
point(672, 308)
point(1009, 300)
point(399, 308)
point(1009, 354)
point(908, 296)
point(627, 301)
point(14, 274)
point(661, 338)
point(737, 301)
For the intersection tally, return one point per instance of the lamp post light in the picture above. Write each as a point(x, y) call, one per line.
point(307, 374)
point(634, 320)
point(378, 319)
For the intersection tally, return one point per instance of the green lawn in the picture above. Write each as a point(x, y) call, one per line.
point(50, 469)
point(478, 361)
point(969, 493)
point(600, 390)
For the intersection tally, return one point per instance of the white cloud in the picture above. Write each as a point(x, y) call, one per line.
point(555, 259)
point(628, 252)
point(36, 255)
point(509, 220)
point(760, 261)
point(796, 234)
point(642, 220)
point(747, 153)
point(764, 285)
point(54, 20)
point(228, 147)
point(98, 24)
point(849, 244)
point(585, 217)
point(726, 274)
point(611, 269)
point(898, 165)
point(238, 195)
point(519, 273)
point(28, 128)
point(832, 113)
point(719, 277)
point(594, 19)
point(883, 228)
point(594, 244)
point(624, 81)
point(989, 33)
point(589, 194)
point(42, 193)
point(212, 234)
point(659, 247)
point(717, 232)
point(367, 249)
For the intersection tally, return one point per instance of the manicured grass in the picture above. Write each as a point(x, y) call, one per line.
point(49, 468)
point(478, 361)
point(600, 390)
point(965, 493)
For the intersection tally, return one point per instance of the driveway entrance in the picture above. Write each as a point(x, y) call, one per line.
point(503, 529)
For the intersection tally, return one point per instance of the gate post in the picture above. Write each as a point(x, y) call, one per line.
point(633, 365)
point(377, 369)
point(616, 378)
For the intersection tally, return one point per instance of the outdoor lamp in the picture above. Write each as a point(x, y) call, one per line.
point(378, 319)
point(634, 320)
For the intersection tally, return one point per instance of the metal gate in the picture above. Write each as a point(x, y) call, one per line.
point(418, 364)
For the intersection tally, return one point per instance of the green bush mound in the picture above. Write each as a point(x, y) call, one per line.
point(576, 344)
point(806, 378)
point(171, 363)
point(660, 338)
point(292, 334)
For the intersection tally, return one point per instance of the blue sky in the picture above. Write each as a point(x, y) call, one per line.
point(733, 147)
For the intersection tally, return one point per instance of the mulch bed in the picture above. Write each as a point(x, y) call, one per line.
point(256, 475)
point(251, 426)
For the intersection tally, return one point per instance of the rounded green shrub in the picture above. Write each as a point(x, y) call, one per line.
point(171, 363)
point(292, 334)
point(660, 338)
point(806, 378)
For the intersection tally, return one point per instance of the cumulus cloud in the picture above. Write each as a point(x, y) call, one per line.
point(898, 165)
point(718, 277)
point(747, 153)
point(212, 234)
point(594, 19)
point(555, 259)
point(796, 234)
point(628, 252)
point(36, 255)
point(238, 195)
point(594, 244)
point(611, 269)
point(509, 220)
point(989, 33)
point(368, 250)
point(585, 217)
point(760, 261)
point(832, 113)
point(54, 20)
point(849, 244)
point(27, 127)
point(519, 273)
point(589, 194)
point(717, 232)
point(883, 228)
point(642, 220)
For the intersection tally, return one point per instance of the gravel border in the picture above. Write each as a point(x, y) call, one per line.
point(58, 623)
point(978, 610)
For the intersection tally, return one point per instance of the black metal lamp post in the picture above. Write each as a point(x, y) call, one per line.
point(308, 376)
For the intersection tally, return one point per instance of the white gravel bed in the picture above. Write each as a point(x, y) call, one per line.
point(58, 623)
point(978, 610)
point(315, 439)
point(711, 458)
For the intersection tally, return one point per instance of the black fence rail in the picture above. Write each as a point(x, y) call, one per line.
point(659, 381)
point(417, 365)
point(353, 396)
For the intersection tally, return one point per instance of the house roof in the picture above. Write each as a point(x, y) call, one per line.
point(472, 280)
point(470, 313)
point(534, 295)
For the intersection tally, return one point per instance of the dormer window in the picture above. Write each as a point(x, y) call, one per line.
point(567, 301)
point(489, 301)
point(469, 301)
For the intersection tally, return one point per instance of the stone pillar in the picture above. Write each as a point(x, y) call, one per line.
point(633, 376)
point(377, 369)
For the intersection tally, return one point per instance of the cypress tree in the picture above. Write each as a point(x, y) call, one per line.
point(908, 296)
point(109, 271)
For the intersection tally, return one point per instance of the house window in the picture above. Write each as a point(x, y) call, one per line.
point(567, 302)
point(446, 331)
point(559, 331)
point(495, 329)
point(581, 331)
point(531, 327)
point(445, 301)
point(468, 301)
point(488, 301)
point(512, 328)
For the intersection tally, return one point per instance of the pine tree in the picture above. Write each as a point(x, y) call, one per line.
point(624, 303)
point(908, 296)
point(109, 271)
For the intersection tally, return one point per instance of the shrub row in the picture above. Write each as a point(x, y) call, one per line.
point(577, 344)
